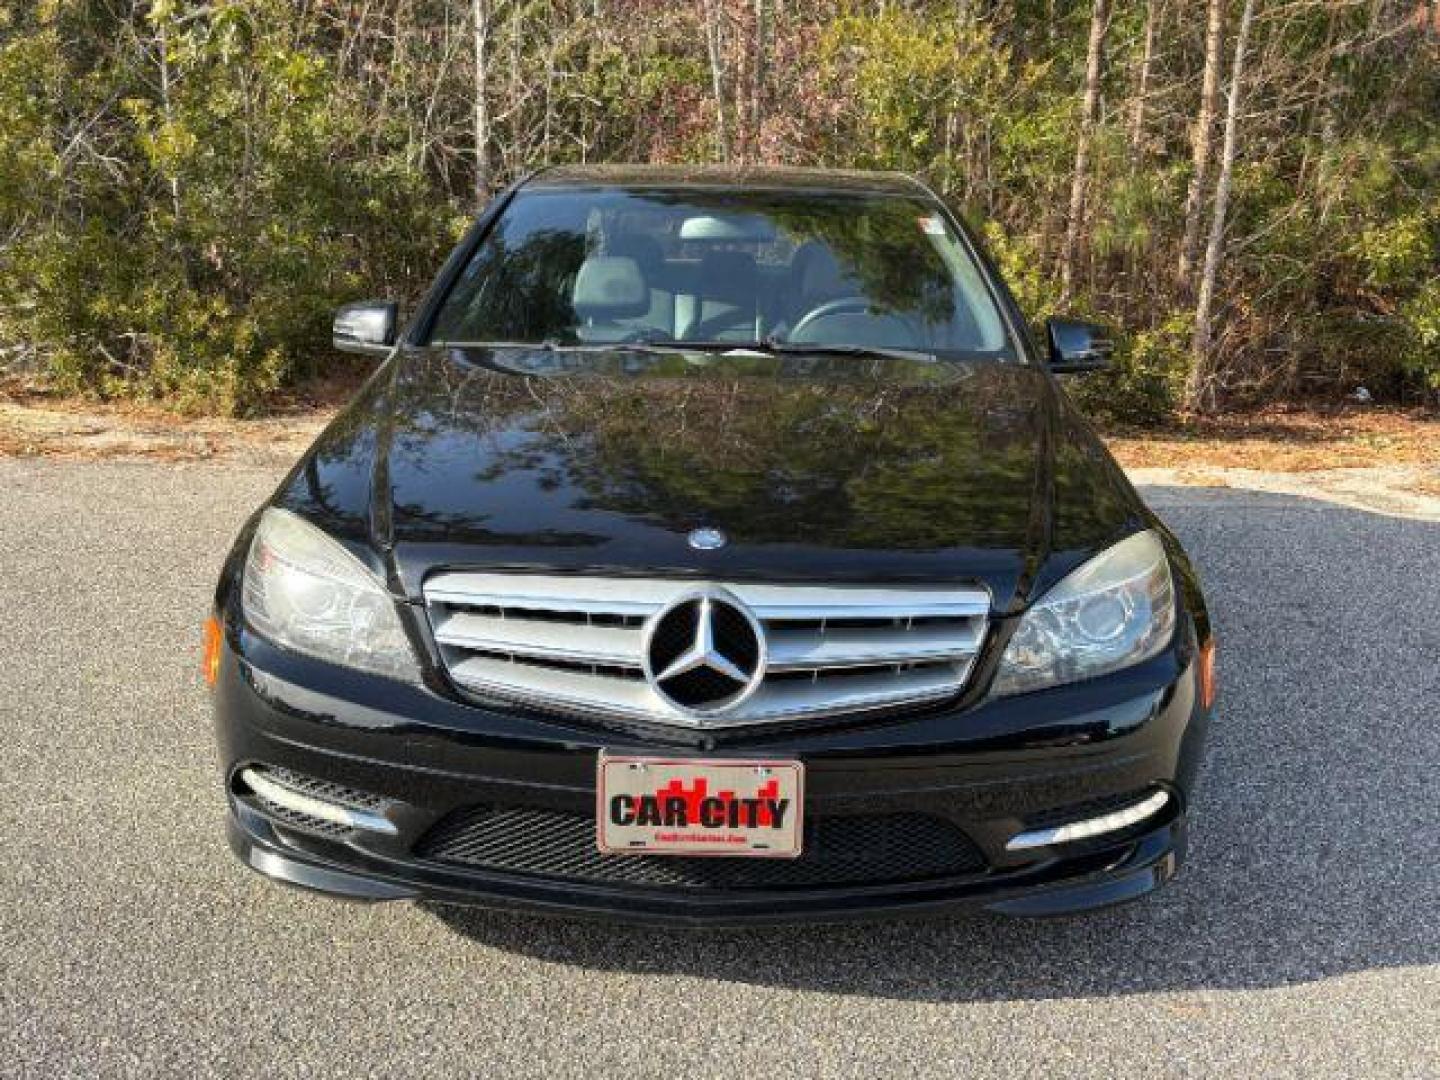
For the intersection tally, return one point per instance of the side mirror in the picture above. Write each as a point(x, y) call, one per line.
point(367, 327)
point(1078, 346)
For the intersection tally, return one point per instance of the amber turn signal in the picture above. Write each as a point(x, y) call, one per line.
point(1206, 671)
point(210, 654)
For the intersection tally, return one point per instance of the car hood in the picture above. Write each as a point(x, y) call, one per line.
point(814, 468)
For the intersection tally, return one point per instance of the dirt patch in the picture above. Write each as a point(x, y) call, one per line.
point(1286, 441)
point(36, 422)
point(78, 430)
point(1385, 461)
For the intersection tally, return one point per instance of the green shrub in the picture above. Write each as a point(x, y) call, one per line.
point(1146, 381)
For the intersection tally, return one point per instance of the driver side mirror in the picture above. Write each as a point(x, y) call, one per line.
point(367, 327)
point(1078, 346)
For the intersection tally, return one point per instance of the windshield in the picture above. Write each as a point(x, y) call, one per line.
point(598, 267)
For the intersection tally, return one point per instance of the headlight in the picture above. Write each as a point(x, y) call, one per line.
point(1116, 610)
point(304, 591)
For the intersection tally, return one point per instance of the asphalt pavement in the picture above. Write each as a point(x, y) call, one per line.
point(1303, 937)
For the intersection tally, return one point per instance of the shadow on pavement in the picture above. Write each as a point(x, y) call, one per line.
point(1313, 832)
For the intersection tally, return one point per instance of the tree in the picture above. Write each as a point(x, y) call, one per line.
point(715, 49)
point(481, 18)
point(1202, 139)
point(1142, 78)
point(758, 60)
point(1099, 18)
point(1199, 392)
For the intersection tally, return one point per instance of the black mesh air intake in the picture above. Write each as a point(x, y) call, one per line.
point(848, 850)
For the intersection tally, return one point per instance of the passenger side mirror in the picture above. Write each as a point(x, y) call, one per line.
point(366, 327)
point(1078, 346)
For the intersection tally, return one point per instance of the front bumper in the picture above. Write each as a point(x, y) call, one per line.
point(1137, 868)
point(992, 770)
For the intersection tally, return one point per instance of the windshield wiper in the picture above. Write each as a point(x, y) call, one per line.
point(660, 345)
point(806, 348)
point(776, 347)
point(669, 345)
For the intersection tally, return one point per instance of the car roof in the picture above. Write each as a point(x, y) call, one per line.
point(726, 176)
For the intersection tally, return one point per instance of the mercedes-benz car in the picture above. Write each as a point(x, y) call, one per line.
point(712, 546)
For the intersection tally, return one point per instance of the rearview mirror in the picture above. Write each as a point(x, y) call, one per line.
point(366, 327)
point(1078, 346)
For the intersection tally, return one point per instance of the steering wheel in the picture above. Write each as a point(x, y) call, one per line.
point(717, 325)
point(890, 328)
point(853, 304)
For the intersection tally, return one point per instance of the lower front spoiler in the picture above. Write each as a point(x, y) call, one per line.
point(1138, 867)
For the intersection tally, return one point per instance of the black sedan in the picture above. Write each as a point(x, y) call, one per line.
point(712, 546)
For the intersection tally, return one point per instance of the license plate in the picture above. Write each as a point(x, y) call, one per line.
point(679, 806)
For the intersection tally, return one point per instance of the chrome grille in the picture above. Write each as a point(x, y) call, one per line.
point(579, 643)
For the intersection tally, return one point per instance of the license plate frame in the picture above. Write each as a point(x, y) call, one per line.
point(777, 785)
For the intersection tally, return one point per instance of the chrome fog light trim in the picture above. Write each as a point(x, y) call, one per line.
point(1088, 827)
point(301, 803)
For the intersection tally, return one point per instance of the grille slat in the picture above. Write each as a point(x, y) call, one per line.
point(585, 595)
point(830, 602)
point(841, 850)
point(577, 644)
point(857, 647)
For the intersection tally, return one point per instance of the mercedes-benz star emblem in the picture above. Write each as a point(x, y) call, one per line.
point(705, 653)
point(707, 539)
